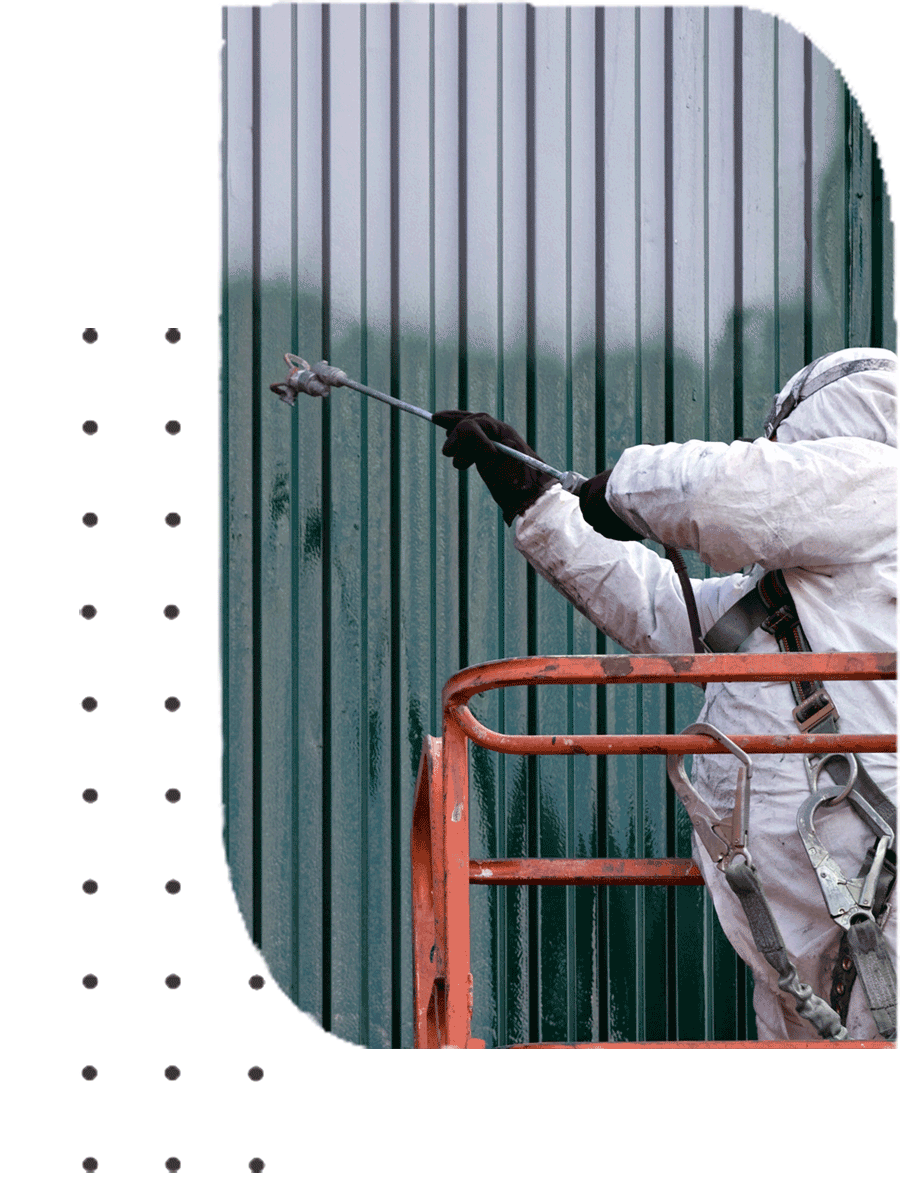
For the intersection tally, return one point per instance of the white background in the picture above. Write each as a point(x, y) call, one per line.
point(111, 129)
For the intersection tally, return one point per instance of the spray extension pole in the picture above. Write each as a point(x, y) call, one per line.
point(320, 379)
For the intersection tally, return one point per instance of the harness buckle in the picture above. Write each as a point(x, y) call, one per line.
point(813, 710)
point(780, 621)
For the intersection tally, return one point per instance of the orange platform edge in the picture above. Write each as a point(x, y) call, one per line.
point(442, 871)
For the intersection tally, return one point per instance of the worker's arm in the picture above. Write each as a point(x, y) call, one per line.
point(811, 504)
point(624, 588)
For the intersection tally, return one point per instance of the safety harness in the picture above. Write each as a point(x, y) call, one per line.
point(859, 905)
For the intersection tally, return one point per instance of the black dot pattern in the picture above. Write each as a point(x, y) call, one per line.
point(256, 1165)
point(256, 982)
point(173, 795)
point(256, 1073)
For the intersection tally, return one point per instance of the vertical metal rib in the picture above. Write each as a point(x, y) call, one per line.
point(326, 532)
point(501, 905)
point(256, 438)
point(668, 221)
point(738, 222)
point(600, 239)
point(638, 899)
point(571, 959)
point(602, 968)
point(638, 329)
point(776, 211)
point(808, 341)
point(296, 935)
point(224, 424)
point(397, 838)
point(463, 362)
point(739, 317)
point(532, 773)
point(669, 434)
point(878, 335)
point(434, 714)
point(363, 566)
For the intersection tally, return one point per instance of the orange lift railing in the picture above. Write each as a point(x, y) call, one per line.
point(442, 871)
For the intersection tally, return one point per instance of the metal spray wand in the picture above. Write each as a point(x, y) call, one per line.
point(320, 379)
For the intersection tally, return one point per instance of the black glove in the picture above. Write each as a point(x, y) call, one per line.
point(598, 514)
point(471, 437)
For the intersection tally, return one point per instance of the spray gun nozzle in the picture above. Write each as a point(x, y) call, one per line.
point(304, 378)
point(285, 391)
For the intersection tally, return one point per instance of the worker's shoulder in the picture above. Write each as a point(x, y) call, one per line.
point(850, 448)
point(824, 471)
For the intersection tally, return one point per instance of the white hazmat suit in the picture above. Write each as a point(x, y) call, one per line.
point(820, 504)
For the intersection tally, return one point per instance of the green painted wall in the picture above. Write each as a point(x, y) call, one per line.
point(606, 226)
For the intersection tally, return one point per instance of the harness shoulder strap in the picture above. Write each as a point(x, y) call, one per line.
point(734, 626)
point(770, 606)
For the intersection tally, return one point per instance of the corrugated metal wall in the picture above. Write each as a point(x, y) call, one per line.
point(606, 226)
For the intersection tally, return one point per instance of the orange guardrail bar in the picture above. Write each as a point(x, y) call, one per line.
point(442, 871)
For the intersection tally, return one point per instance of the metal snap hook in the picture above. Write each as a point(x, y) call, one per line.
point(725, 839)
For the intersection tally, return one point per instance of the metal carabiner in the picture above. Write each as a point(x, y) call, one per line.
point(847, 899)
point(724, 838)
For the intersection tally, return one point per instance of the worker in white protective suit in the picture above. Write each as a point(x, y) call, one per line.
point(815, 498)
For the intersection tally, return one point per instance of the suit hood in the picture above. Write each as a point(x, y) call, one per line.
point(851, 393)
